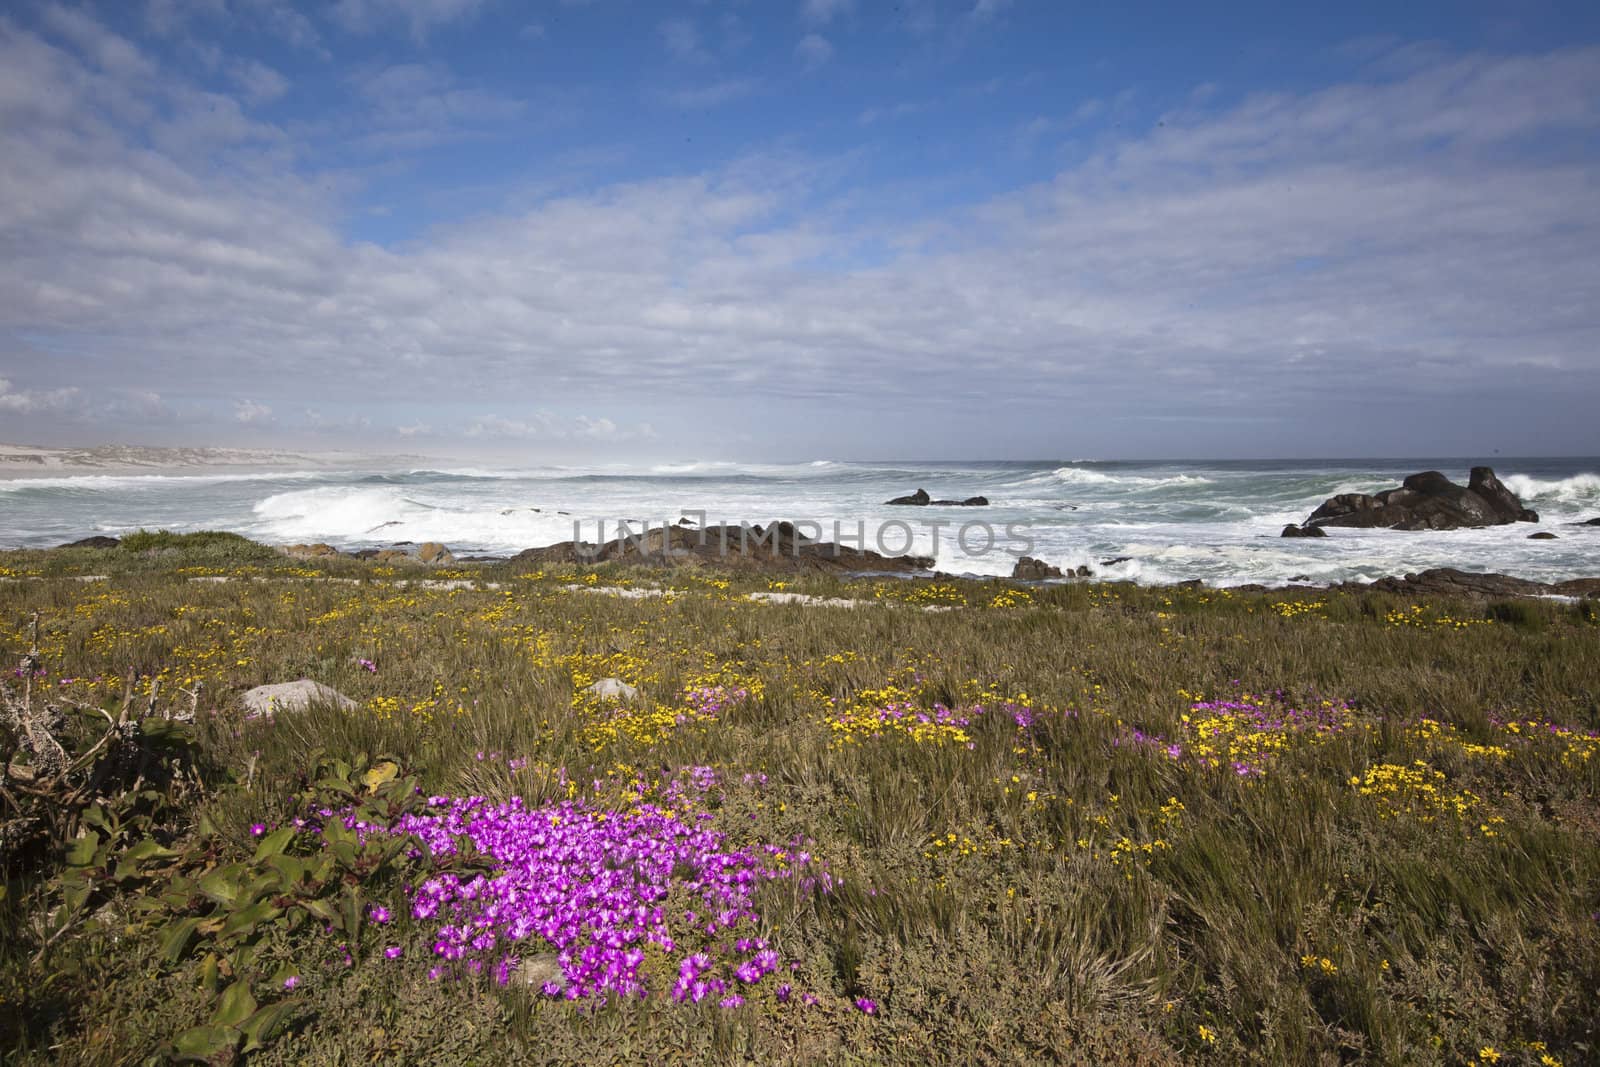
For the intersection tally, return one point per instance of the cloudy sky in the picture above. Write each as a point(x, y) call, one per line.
point(791, 229)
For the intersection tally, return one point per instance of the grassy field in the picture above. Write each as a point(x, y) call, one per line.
point(961, 822)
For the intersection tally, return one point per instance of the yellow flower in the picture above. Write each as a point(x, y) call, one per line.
point(1488, 1054)
point(1208, 1035)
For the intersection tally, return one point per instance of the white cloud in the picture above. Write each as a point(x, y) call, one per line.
point(23, 402)
point(822, 12)
point(682, 40)
point(984, 10)
point(1372, 239)
point(813, 50)
point(251, 412)
point(708, 96)
point(421, 16)
point(259, 82)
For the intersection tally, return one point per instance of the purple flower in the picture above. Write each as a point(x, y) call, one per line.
point(866, 1006)
point(380, 915)
point(291, 981)
point(257, 829)
point(394, 952)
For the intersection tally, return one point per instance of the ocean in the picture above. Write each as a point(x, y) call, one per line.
point(1216, 521)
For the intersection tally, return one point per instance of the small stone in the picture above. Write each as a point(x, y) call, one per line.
point(1542, 535)
point(613, 689)
point(535, 971)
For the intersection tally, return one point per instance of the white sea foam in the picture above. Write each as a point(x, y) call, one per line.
point(113, 482)
point(1578, 489)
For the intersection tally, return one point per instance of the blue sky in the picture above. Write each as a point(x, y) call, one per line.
point(789, 230)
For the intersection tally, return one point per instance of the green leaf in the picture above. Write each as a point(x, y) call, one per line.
point(245, 922)
point(221, 884)
point(336, 785)
point(81, 851)
point(95, 815)
point(273, 844)
point(205, 1044)
point(351, 908)
point(379, 774)
point(235, 1006)
point(322, 910)
point(147, 850)
point(261, 1027)
point(175, 939)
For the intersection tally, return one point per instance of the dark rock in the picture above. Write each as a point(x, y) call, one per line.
point(366, 553)
point(1034, 570)
point(1300, 577)
point(1292, 530)
point(776, 548)
point(1083, 571)
point(1191, 583)
point(1542, 535)
point(1114, 560)
point(1427, 501)
point(921, 499)
point(1587, 522)
point(97, 541)
point(1449, 582)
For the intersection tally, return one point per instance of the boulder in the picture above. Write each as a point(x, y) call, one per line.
point(434, 552)
point(1114, 560)
point(780, 548)
point(264, 701)
point(1542, 535)
point(391, 555)
point(613, 689)
point(97, 541)
point(1427, 501)
point(1292, 530)
point(316, 551)
point(921, 499)
point(1029, 569)
point(1589, 522)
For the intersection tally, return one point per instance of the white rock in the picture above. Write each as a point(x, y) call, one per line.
point(613, 689)
point(266, 700)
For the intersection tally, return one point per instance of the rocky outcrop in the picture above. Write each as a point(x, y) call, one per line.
point(921, 499)
point(434, 552)
point(316, 551)
point(1029, 569)
point(1449, 582)
point(779, 548)
point(1427, 501)
point(97, 541)
point(1292, 530)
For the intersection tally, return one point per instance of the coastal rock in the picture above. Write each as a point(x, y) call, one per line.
point(1029, 569)
point(780, 547)
point(391, 555)
point(434, 552)
point(1542, 535)
point(1449, 582)
point(316, 551)
point(97, 541)
point(613, 689)
point(921, 499)
point(1114, 560)
point(264, 701)
point(1589, 522)
point(1427, 501)
point(1292, 530)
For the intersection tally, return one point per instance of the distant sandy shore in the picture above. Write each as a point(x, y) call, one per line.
point(25, 461)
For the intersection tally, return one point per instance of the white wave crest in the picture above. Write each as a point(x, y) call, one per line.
point(1578, 489)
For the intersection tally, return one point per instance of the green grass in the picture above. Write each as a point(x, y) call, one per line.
point(1076, 914)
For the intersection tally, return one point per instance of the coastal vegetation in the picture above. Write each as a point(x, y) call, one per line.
point(840, 820)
